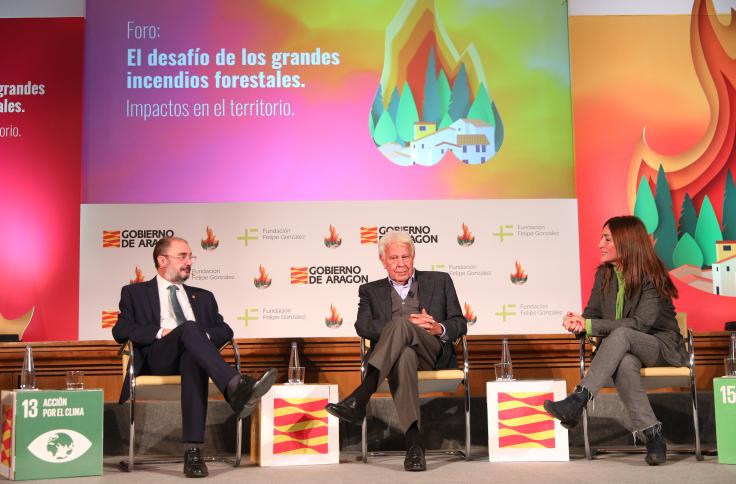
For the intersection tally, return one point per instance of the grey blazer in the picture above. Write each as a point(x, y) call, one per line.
point(645, 311)
point(436, 294)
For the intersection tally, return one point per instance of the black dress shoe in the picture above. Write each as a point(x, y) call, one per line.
point(348, 410)
point(194, 465)
point(414, 461)
point(244, 398)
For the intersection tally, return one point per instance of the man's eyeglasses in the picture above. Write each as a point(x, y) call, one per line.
point(181, 257)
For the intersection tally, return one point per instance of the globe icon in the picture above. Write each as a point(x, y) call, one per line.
point(60, 445)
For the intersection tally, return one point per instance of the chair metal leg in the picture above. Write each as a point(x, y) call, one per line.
point(588, 453)
point(696, 424)
point(467, 417)
point(364, 439)
point(238, 441)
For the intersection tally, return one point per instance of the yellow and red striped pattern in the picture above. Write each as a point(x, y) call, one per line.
point(369, 235)
point(110, 238)
point(109, 318)
point(300, 426)
point(7, 428)
point(299, 275)
point(523, 422)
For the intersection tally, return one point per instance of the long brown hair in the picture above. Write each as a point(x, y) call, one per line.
point(638, 260)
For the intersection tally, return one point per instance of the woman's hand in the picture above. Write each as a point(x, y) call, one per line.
point(573, 323)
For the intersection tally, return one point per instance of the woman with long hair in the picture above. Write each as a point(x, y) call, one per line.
point(630, 308)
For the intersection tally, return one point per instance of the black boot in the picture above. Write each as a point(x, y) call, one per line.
point(568, 411)
point(656, 446)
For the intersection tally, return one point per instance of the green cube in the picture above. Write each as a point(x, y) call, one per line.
point(724, 396)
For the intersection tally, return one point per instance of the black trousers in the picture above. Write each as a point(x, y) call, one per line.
point(187, 351)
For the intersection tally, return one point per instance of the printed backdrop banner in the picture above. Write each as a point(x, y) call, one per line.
point(293, 269)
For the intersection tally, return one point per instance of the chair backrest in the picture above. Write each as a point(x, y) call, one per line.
point(15, 327)
point(682, 324)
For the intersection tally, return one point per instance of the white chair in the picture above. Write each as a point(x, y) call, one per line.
point(656, 377)
point(166, 388)
point(430, 381)
point(13, 329)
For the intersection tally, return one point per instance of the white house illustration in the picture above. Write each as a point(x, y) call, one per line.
point(724, 271)
point(471, 140)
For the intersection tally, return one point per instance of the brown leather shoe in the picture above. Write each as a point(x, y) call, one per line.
point(194, 465)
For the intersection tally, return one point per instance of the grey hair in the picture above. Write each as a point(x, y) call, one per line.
point(395, 237)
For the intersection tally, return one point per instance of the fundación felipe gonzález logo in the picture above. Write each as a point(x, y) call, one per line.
point(59, 446)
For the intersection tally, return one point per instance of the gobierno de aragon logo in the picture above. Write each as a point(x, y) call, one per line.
point(420, 234)
point(134, 237)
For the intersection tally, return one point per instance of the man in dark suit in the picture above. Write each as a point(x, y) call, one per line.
point(177, 329)
point(412, 318)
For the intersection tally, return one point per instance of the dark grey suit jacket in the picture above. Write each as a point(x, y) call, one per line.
point(645, 311)
point(436, 294)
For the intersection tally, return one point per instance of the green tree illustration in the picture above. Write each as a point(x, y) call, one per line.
point(446, 121)
point(393, 104)
point(385, 131)
point(666, 233)
point(687, 252)
point(645, 207)
point(460, 97)
point(407, 115)
point(371, 126)
point(688, 217)
point(729, 208)
point(481, 107)
point(499, 126)
point(707, 232)
point(431, 103)
point(443, 92)
point(377, 107)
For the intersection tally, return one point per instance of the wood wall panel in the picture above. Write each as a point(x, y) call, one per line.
point(335, 360)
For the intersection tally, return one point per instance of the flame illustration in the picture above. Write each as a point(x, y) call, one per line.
point(519, 277)
point(263, 280)
point(702, 169)
point(138, 276)
point(466, 238)
point(334, 320)
point(210, 242)
point(469, 314)
point(429, 91)
point(334, 240)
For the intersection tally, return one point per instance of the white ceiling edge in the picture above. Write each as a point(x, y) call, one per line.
point(41, 8)
point(641, 7)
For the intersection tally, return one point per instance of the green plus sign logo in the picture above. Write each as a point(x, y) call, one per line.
point(438, 267)
point(502, 231)
point(250, 314)
point(506, 311)
point(248, 235)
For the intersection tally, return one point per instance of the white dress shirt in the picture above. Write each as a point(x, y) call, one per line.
point(168, 319)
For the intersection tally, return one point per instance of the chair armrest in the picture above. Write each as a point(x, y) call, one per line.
point(691, 349)
point(582, 357)
point(236, 352)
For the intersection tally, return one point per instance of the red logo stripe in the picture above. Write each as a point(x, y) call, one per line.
point(306, 406)
point(535, 400)
point(282, 447)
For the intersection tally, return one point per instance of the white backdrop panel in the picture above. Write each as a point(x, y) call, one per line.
point(540, 234)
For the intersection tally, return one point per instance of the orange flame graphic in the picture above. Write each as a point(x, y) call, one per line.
point(466, 238)
point(334, 320)
point(138, 276)
point(334, 240)
point(263, 280)
point(701, 170)
point(519, 277)
point(469, 314)
point(210, 242)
